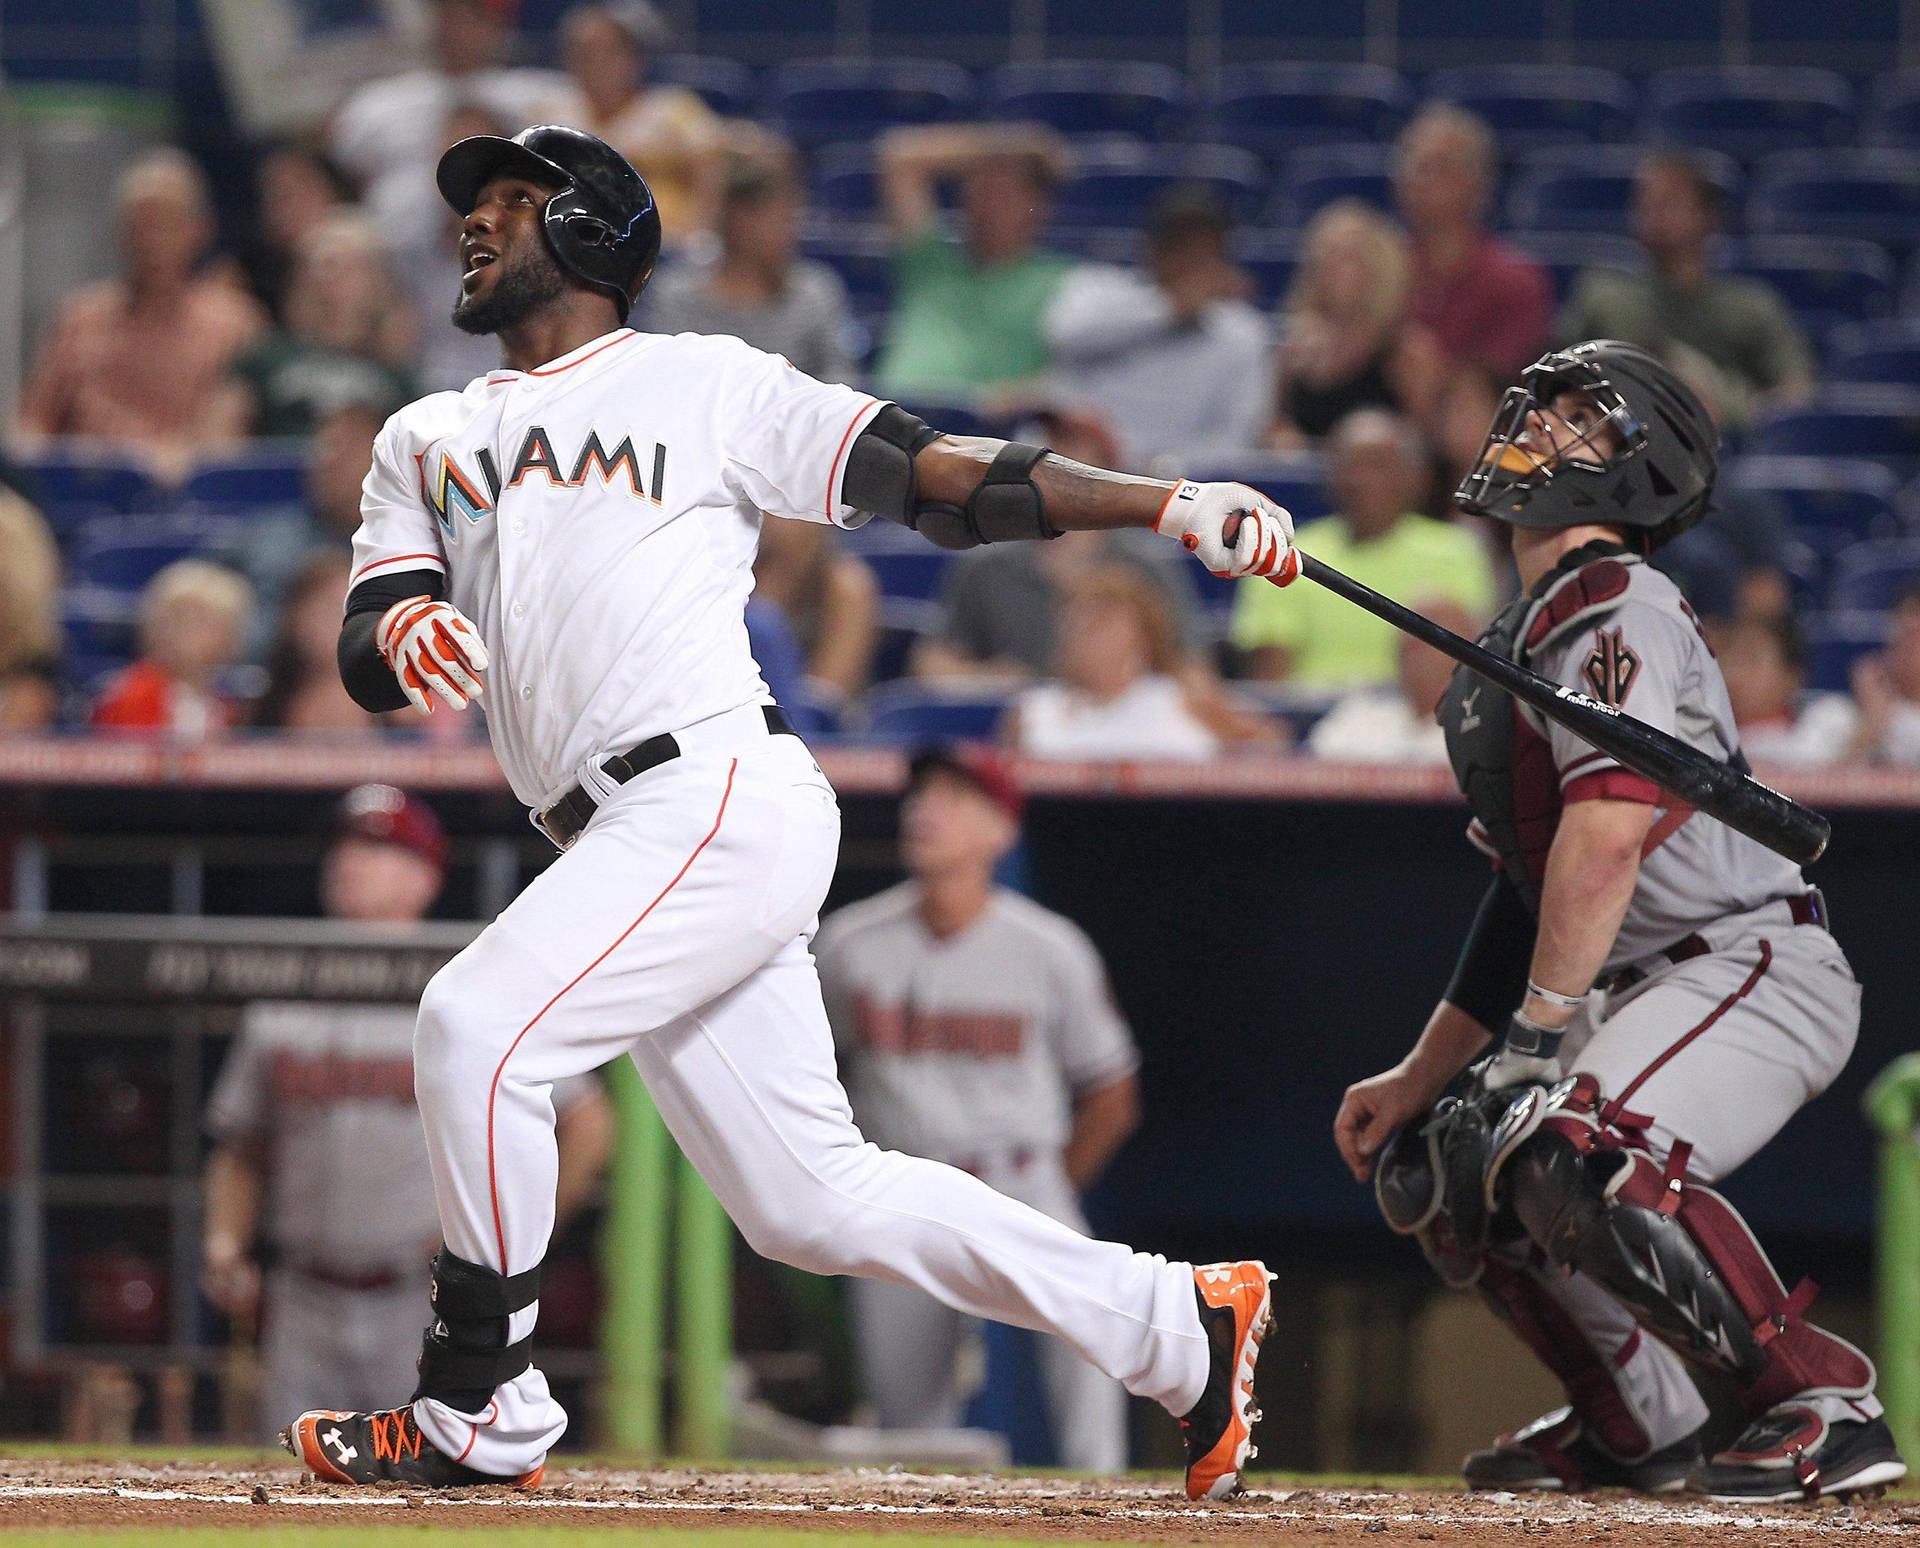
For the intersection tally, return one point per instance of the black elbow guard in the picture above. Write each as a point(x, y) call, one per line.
point(880, 477)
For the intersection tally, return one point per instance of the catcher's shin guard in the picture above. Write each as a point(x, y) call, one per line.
point(1675, 1252)
point(465, 1354)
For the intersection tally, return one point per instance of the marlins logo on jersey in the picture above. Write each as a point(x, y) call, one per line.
point(449, 491)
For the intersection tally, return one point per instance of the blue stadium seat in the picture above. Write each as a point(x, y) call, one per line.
point(726, 85)
point(1089, 96)
point(123, 553)
point(1835, 641)
point(1320, 174)
point(821, 101)
point(1751, 110)
point(926, 712)
point(1095, 244)
point(1274, 109)
point(1885, 352)
point(1563, 254)
point(1882, 423)
point(1869, 577)
point(1270, 257)
point(909, 574)
point(97, 634)
point(1541, 104)
point(1826, 280)
point(846, 182)
point(1589, 187)
point(266, 475)
point(1831, 501)
point(954, 416)
point(1119, 187)
point(813, 716)
point(1892, 116)
point(86, 474)
point(1292, 479)
point(858, 254)
point(1873, 194)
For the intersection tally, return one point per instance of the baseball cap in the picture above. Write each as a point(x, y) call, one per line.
point(383, 814)
point(982, 767)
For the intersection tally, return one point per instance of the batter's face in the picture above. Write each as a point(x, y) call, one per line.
point(507, 272)
point(949, 824)
point(377, 883)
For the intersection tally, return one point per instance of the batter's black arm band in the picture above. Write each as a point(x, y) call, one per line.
point(1490, 978)
point(881, 477)
point(368, 679)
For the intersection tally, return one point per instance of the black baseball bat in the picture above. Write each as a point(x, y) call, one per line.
point(1718, 789)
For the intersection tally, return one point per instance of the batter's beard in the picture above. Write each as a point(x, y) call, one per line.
point(522, 287)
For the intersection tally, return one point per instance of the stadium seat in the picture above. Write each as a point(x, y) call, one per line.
point(813, 716)
point(123, 553)
point(1892, 116)
point(1088, 96)
point(1869, 577)
point(1095, 244)
point(1589, 187)
point(1274, 109)
point(1563, 254)
point(1831, 501)
point(1292, 479)
point(846, 183)
point(1120, 186)
point(726, 85)
point(1885, 352)
point(956, 416)
point(1320, 174)
point(1541, 104)
point(1270, 257)
point(909, 574)
point(1835, 641)
point(268, 475)
point(1751, 110)
point(1873, 194)
point(1878, 422)
point(1826, 280)
point(858, 254)
point(926, 712)
point(822, 101)
point(86, 474)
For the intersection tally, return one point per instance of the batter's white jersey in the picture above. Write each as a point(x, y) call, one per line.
point(597, 517)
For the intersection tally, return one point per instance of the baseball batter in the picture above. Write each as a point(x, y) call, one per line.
point(574, 534)
point(976, 1027)
point(1680, 976)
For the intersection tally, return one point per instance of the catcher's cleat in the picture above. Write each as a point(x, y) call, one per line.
point(1792, 1452)
point(1555, 1452)
point(382, 1447)
point(1236, 1309)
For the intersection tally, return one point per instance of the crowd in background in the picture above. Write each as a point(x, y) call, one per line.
point(1387, 354)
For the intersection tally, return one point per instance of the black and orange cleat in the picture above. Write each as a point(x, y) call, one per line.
point(382, 1447)
point(1236, 1309)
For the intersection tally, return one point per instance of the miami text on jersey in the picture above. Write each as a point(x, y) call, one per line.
point(537, 456)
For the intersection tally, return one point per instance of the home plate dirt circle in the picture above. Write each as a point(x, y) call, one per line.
point(96, 1494)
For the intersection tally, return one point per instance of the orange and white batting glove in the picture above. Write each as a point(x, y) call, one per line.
point(1231, 529)
point(432, 648)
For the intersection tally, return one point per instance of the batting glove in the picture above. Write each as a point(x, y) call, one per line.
point(431, 646)
point(1231, 529)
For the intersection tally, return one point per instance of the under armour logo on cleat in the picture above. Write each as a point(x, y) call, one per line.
point(334, 1439)
point(1217, 1275)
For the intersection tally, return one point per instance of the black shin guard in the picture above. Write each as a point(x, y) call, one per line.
point(465, 1354)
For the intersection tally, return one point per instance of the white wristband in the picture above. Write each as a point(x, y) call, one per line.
point(1555, 997)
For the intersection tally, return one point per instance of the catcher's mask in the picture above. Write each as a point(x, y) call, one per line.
point(1601, 432)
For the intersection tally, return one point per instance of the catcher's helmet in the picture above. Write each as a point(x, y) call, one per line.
point(601, 221)
point(1657, 479)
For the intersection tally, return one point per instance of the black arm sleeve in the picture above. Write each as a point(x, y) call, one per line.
point(369, 681)
point(1490, 979)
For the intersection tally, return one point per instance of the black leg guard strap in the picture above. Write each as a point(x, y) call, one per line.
point(465, 1354)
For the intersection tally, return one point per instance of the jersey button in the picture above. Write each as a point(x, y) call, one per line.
point(519, 610)
point(526, 693)
point(516, 527)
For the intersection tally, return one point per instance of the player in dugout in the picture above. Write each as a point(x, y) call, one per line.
point(1645, 998)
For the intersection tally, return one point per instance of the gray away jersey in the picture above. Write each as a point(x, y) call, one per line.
point(971, 1046)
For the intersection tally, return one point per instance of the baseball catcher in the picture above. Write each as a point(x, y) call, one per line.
point(1659, 995)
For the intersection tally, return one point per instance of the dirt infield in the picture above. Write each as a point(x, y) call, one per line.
point(253, 1497)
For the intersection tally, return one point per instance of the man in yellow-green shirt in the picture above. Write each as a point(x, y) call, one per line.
point(1309, 636)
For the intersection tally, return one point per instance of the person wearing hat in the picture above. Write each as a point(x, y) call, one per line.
point(319, 1172)
point(975, 1027)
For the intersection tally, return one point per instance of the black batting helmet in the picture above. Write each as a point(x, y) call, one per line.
point(601, 221)
point(1647, 461)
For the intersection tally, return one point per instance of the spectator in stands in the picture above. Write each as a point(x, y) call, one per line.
point(29, 615)
point(1395, 724)
point(297, 187)
point(1476, 301)
point(143, 360)
point(1310, 637)
point(1341, 325)
point(304, 691)
point(1886, 687)
point(1764, 660)
point(1731, 337)
point(830, 598)
point(1000, 605)
point(346, 336)
point(1170, 355)
point(1119, 690)
point(967, 312)
point(193, 621)
point(669, 133)
point(757, 287)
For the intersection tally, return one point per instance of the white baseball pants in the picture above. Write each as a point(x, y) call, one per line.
point(675, 930)
point(910, 1347)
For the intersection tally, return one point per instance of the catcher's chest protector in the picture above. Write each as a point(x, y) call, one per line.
point(1503, 764)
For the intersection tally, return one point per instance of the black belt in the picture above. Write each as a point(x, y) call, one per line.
point(1807, 908)
point(563, 820)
